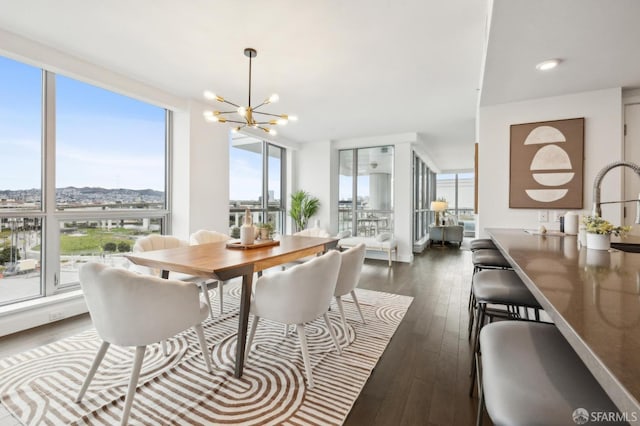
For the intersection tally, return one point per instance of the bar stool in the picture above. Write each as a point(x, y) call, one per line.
point(482, 243)
point(486, 259)
point(499, 287)
point(531, 375)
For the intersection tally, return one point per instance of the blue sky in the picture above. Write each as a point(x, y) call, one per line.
point(102, 138)
point(245, 182)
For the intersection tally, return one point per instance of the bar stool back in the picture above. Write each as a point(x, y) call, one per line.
point(531, 375)
point(499, 287)
point(482, 243)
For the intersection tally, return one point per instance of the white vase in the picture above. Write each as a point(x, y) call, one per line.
point(598, 241)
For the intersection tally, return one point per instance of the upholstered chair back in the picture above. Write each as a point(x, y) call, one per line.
point(129, 309)
point(204, 236)
point(300, 294)
point(155, 242)
point(313, 232)
point(350, 269)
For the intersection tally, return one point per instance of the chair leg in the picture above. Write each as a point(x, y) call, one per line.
point(285, 330)
point(355, 299)
point(305, 354)
point(480, 407)
point(476, 345)
point(343, 319)
point(472, 313)
point(252, 333)
point(332, 333)
point(205, 293)
point(221, 295)
point(203, 346)
point(92, 371)
point(133, 383)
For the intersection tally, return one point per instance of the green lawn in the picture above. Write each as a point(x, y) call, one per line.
point(93, 240)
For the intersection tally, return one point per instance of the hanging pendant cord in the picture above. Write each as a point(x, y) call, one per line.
point(249, 81)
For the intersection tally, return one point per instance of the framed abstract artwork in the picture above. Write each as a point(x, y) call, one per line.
point(546, 165)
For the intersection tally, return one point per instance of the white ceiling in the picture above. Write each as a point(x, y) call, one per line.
point(598, 42)
point(351, 69)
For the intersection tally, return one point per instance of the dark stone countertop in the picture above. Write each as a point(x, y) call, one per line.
point(593, 296)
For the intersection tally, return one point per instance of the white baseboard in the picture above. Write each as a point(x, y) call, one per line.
point(34, 313)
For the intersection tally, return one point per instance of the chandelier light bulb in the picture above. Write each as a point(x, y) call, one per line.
point(272, 132)
point(242, 111)
point(282, 121)
point(209, 95)
point(292, 118)
point(548, 65)
point(210, 116)
point(274, 98)
point(235, 130)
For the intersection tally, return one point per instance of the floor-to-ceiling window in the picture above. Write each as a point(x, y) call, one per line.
point(458, 190)
point(256, 181)
point(424, 191)
point(365, 205)
point(84, 174)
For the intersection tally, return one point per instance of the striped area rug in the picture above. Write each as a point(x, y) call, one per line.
point(40, 386)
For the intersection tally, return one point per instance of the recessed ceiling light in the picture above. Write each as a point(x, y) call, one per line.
point(548, 65)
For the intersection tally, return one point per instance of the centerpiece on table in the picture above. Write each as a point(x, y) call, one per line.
point(266, 231)
point(599, 232)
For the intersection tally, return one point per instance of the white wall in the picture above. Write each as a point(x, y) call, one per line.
point(602, 111)
point(314, 172)
point(200, 173)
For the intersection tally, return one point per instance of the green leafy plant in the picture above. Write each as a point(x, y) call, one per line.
point(598, 225)
point(303, 206)
point(266, 227)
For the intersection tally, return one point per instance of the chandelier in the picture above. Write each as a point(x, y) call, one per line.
point(250, 116)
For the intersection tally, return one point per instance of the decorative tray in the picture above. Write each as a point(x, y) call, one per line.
point(261, 243)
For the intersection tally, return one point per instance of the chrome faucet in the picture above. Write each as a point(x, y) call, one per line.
point(597, 210)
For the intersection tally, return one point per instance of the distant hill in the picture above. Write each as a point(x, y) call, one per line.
point(73, 194)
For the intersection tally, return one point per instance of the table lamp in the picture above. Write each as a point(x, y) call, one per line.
point(438, 206)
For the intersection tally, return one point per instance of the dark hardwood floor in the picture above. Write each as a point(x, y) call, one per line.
point(422, 377)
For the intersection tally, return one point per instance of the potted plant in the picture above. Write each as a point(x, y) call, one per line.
point(266, 230)
point(303, 206)
point(599, 232)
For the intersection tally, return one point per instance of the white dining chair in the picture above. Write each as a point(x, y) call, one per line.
point(161, 242)
point(130, 309)
point(313, 232)
point(297, 296)
point(204, 236)
point(348, 278)
point(309, 232)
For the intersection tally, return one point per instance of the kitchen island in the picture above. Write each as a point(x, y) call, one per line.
point(593, 297)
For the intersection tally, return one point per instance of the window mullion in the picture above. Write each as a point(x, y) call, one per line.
point(265, 180)
point(50, 238)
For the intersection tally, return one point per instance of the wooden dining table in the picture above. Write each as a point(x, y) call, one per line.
point(217, 261)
